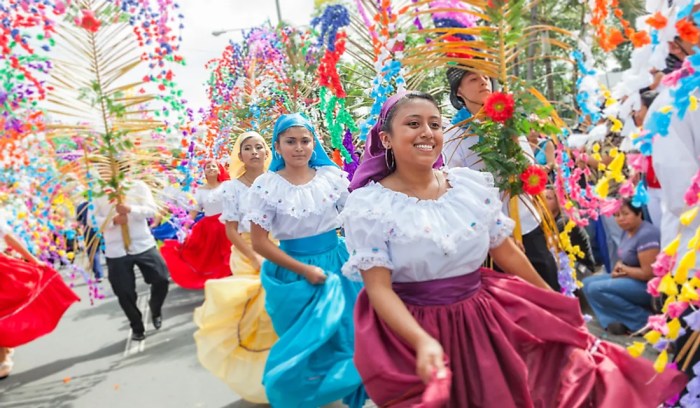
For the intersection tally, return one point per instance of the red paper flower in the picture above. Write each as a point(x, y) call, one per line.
point(89, 21)
point(534, 180)
point(499, 106)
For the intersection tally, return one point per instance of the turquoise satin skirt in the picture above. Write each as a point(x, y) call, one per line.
point(312, 362)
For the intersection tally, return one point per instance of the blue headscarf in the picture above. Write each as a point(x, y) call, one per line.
point(319, 157)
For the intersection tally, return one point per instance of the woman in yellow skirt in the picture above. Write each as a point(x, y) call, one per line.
point(235, 332)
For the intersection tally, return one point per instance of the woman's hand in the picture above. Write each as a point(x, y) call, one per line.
point(430, 360)
point(619, 270)
point(314, 275)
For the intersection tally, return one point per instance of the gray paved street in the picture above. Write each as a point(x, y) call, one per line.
point(89, 360)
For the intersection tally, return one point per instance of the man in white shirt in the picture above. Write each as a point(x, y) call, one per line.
point(468, 91)
point(676, 160)
point(138, 205)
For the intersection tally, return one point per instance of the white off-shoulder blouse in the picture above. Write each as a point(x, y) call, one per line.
point(421, 240)
point(209, 200)
point(291, 211)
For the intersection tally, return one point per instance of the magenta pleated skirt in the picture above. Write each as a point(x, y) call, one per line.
point(508, 344)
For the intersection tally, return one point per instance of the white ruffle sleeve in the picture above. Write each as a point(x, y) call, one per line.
point(366, 244)
point(272, 195)
point(232, 192)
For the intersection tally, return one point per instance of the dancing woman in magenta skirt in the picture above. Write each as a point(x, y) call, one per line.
point(205, 253)
point(33, 298)
point(429, 314)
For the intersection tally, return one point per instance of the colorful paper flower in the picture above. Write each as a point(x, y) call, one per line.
point(640, 39)
point(534, 180)
point(499, 106)
point(687, 31)
point(89, 21)
point(657, 20)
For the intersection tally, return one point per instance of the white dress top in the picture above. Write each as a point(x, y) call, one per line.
point(289, 211)
point(458, 153)
point(234, 194)
point(676, 163)
point(209, 200)
point(421, 240)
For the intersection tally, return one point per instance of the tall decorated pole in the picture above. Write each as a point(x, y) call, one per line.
point(109, 88)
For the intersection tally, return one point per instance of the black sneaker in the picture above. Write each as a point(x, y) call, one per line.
point(138, 337)
point(157, 322)
point(618, 329)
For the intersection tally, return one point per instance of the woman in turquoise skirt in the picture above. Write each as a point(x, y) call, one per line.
point(308, 299)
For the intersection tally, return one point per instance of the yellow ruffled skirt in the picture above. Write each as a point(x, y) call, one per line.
point(235, 332)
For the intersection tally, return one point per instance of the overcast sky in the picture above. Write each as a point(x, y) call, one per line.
point(204, 16)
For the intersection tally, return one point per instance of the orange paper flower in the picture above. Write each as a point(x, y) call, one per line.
point(534, 180)
point(687, 31)
point(615, 38)
point(657, 20)
point(640, 39)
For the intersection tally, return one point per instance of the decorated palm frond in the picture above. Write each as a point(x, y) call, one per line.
point(497, 45)
point(269, 73)
point(99, 98)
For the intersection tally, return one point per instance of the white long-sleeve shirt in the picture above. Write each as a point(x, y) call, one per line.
point(458, 153)
point(676, 159)
point(143, 206)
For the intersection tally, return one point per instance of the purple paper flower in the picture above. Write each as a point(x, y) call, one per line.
point(693, 320)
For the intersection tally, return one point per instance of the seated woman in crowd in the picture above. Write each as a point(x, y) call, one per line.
point(620, 300)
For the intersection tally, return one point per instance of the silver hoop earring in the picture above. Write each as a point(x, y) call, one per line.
point(386, 159)
point(313, 155)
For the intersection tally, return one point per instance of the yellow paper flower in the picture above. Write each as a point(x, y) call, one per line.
point(687, 262)
point(653, 337)
point(672, 248)
point(661, 361)
point(674, 327)
point(694, 243)
point(636, 349)
point(617, 125)
point(688, 294)
point(668, 286)
point(695, 282)
point(668, 302)
point(688, 216)
point(693, 103)
point(603, 187)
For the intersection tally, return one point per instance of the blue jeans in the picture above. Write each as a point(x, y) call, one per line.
point(618, 300)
